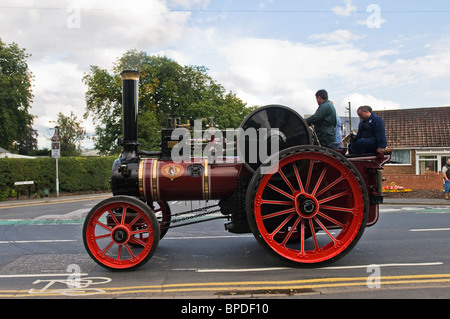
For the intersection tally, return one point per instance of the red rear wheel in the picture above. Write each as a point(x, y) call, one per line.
point(310, 209)
point(121, 233)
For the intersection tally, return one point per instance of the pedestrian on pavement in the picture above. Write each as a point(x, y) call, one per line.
point(446, 174)
point(324, 119)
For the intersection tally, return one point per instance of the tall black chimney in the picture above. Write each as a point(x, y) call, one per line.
point(125, 171)
point(130, 96)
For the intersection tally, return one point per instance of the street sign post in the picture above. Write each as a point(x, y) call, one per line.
point(56, 153)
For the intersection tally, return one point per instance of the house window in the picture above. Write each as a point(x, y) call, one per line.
point(428, 164)
point(401, 157)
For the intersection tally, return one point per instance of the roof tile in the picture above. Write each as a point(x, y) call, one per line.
point(421, 127)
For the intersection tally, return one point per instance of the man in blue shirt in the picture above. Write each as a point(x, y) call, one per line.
point(337, 145)
point(371, 137)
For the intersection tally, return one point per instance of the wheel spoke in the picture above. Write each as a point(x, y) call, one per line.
point(319, 181)
point(277, 202)
point(138, 241)
point(338, 209)
point(280, 191)
point(310, 171)
point(325, 230)
point(291, 231)
point(124, 213)
point(287, 211)
point(333, 197)
point(102, 236)
point(288, 183)
point(119, 253)
point(282, 225)
point(299, 180)
point(337, 181)
point(141, 231)
point(334, 221)
point(113, 216)
point(313, 234)
point(103, 225)
point(133, 257)
point(104, 251)
point(302, 236)
point(134, 220)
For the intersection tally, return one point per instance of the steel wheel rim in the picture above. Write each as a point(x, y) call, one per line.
point(122, 245)
point(332, 205)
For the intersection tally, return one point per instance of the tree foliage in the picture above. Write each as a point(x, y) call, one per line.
point(166, 89)
point(15, 99)
point(71, 134)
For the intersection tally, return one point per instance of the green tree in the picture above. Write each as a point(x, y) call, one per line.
point(166, 89)
point(15, 99)
point(70, 135)
point(29, 143)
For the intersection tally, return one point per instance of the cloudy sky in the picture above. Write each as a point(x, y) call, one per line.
point(387, 54)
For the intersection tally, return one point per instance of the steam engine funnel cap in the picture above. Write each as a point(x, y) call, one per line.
point(130, 75)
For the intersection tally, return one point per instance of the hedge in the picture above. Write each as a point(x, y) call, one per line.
point(75, 174)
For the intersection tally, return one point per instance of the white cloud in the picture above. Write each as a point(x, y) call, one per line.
point(264, 71)
point(344, 11)
point(45, 27)
point(259, 70)
point(358, 99)
point(338, 36)
point(65, 37)
point(189, 3)
point(58, 89)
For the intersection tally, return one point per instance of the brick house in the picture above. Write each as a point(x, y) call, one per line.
point(420, 139)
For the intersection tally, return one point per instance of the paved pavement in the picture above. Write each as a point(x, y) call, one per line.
point(99, 197)
point(416, 201)
point(53, 200)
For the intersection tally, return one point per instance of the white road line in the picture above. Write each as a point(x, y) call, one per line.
point(417, 210)
point(208, 237)
point(35, 241)
point(39, 275)
point(222, 237)
point(430, 229)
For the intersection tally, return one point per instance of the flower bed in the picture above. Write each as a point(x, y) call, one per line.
point(393, 188)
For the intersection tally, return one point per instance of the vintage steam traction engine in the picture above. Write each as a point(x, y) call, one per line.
point(307, 205)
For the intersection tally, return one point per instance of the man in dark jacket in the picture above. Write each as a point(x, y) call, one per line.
point(324, 119)
point(371, 137)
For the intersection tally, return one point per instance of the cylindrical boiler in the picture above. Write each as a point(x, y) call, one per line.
point(192, 180)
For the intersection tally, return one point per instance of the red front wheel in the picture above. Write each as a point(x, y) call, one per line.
point(310, 208)
point(121, 233)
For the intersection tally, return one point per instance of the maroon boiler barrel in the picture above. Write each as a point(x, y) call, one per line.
point(194, 180)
